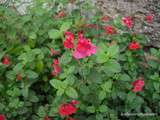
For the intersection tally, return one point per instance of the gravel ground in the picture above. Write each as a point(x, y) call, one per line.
point(138, 9)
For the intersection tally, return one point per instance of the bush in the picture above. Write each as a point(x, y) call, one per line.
point(56, 65)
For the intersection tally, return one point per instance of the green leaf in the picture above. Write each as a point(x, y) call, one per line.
point(71, 79)
point(57, 84)
point(34, 98)
point(101, 57)
point(2, 106)
point(106, 53)
point(15, 92)
point(103, 108)
point(118, 23)
point(31, 43)
point(18, 68)
point(111, 67)
point(66, 57)
point(32, 35)
point(2, 54)
point(41, 111)
point(91, 109)
point(31, 74)
point(124, 77)
point(130, 97)
point(102, 95)
point(15, 103)
point(11, 75)
point(84, 90)
point(39, 65)
point(60, 92)
point(54, 34)
point(113, 51)
point(156, 85)
point(107, 86)
point(99, 117)
point(25, 91)
point(71, 92)
point(65, 26)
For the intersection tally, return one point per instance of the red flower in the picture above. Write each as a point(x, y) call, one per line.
point(84, 48)
point(2, 117)
point(110, 30)
point(6, 61)
point(67, 109)
point(138, 85)
point(75, 102)
point(57, 68)
point(69, 42)
point(134, 45)
point(47, 118)
point(105, 18)
point(56, 62)
point(19, 77)
point(54, 52)
point(81, 35)
point(150, 18)
point(128, 22)
point(61, 14)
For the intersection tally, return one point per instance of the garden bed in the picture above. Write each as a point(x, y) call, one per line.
point(69, 60)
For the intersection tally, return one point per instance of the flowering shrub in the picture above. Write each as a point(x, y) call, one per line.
point(59, 66)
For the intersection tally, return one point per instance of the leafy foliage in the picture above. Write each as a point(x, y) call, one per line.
point(102, 83)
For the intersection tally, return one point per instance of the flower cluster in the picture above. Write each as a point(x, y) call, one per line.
point(57, 67)
point(69, 42)
point(6, 60)
point(150, 18)
point(84, 47)
point(2, 117)
point(128, 22)
point(138, 85)
point(135, 45)
point(110, 30)
point(68, 109)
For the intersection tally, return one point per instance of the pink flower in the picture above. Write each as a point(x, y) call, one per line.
point(67, 109)
point(81, 35)
point(138, 85)
point(6, 60)
point(84, 48)
point(75, 102)
point(2, 117)
point(69, 42)
point(150, 18)
point(110, 30)
point(128, 22)
point(56, 62)
point(57, 67)
point(61, 14)
point(134, 45)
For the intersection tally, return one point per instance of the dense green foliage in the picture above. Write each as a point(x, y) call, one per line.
point(102, 83)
